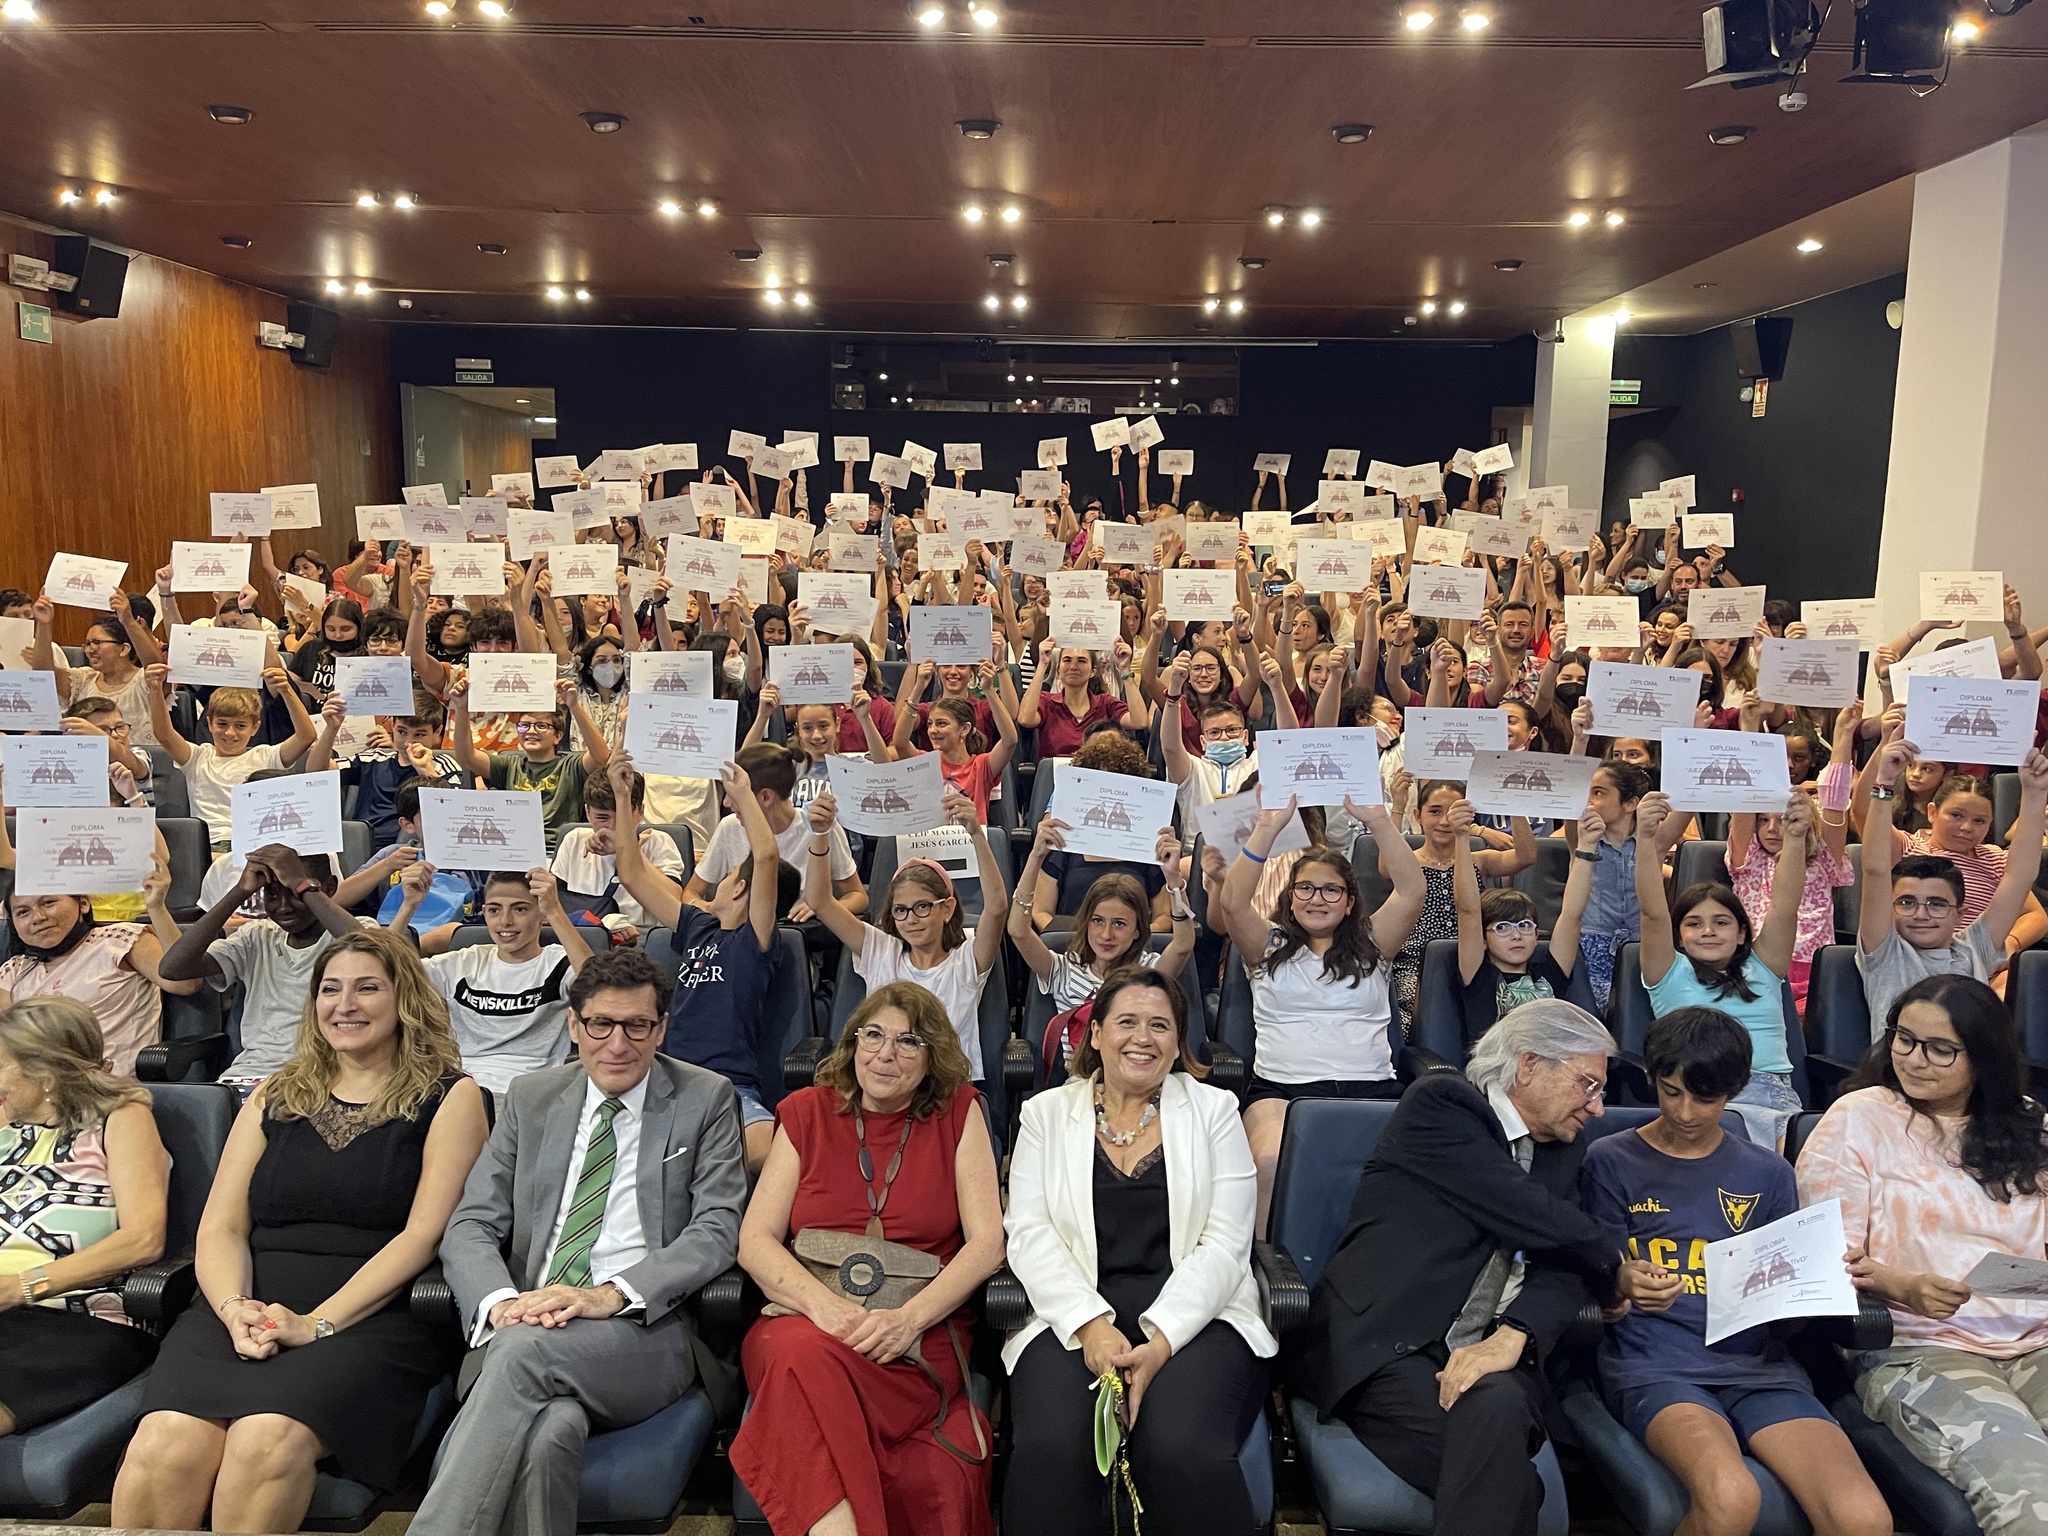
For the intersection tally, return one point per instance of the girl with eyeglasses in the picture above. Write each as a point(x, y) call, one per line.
point(921, 937)
point(1938, 1157)
point(1501, 962)
point(1321, 981)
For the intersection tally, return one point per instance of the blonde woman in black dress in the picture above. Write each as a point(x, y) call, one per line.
point(338, 1179)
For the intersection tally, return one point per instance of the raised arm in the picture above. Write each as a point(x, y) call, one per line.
point(1465, 897)
point(1402, 909)
point(153, 678)
point(988, 934)
point(432, 674)
point(1874, 922)
point(1005, 744)
point(462, 742)
point(819, 896)
point(2023, 852)
point(1023, 931)
point(1578, 890)
point(1249, 932)
point(1658, 950)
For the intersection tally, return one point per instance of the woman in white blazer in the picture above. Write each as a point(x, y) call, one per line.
point(1130, 1224)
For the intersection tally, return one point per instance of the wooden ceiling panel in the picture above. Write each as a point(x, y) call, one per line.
point(1141, 142)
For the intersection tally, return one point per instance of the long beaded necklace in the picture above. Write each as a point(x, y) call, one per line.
point(1123, 1138)
point(867, 1169)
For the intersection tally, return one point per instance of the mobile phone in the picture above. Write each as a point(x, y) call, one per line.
point(1275, 588)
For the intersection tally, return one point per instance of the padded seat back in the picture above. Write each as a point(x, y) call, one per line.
point(2026, 997)
point(1837, 1011)
point(1543, 881)
point(1629, 1015)
point(851, 991)
point(191, 854)
point(1698, 859)
point(966, 889)
point(358, 843)
point(168, 790)
point(1326, 1148)
point(1849, 898)
point(194, 1120)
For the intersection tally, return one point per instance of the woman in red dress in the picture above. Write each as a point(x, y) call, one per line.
point(891, 1143)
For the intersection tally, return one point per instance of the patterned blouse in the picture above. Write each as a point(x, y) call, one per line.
point(56, 1200)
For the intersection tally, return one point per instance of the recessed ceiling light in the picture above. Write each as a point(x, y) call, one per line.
point(1030, 378)
point(1174, 380)
point(583, 295)
point(1579, 219)
point(1019, 302)
point(1010, 378)
point(233, 116)
point(1012, 213)
point(1429, 306)
point(707, 208)
point(772, 297)
point(495, 10)
point(1001, 258)
point(1418, 18)
point(603, 122)
point(1808, 246)
point(405, 303)
point(1729, 133)
point(1457, 306)
point(1252, 263)
point(362, 289)
point(1210, 306)
point(546, 421)
point(1508, 264)
point(336, 285)
point(1310, 218)
point(973, 213)
point(1474, 20)
point(745, 253)
point(668, 207)
point(1964, 30)
point(404, 200)
point(883, 376)
point(1351, 133)
point(521, 400)
point(978, 127)
point(19, 10)
point(491, 248)
point(1622, 317)
point(557, 295)
point(1616, 218)
point(366, 199)
point(239, 242)
point(1706, 285)
point(800, 299)
point(992, 301)
point(928, 15)
point(104, 196)
point(70, 195)
point(983, 14)
point(438, 8)
point(1235, 306)
point(1276, 215)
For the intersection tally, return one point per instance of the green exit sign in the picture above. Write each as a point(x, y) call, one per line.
point(1624, 397)
point(35, 323)
point(473, 376)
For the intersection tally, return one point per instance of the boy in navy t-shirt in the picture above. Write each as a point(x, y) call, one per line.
point(727, 947)
point(1668, 1191)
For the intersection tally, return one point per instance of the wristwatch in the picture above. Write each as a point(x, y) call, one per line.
point(303, 886)
point(1590, 858)
point(322, 1329)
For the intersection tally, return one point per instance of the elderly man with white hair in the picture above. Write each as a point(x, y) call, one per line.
point(1463, 1261)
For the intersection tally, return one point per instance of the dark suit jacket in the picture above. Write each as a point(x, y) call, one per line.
point(1441, 1194)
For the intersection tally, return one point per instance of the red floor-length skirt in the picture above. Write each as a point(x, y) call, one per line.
point(828, 1423)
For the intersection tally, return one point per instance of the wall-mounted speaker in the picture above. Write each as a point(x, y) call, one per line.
point(102, 273)
point(319, 327)
point(1761, 345)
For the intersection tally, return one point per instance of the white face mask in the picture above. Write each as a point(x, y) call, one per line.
point(605, 674)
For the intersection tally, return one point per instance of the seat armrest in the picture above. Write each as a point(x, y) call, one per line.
point(1869, 1329)
point(1004, 1306)
point(1419, 1061)
point(1825, 1075)
point(432, 1300)
point(1226, 1068)
point(169, 1060)
point(1585, 1330)
point(800, 1066)
point(154, 1294)
point(1282, 1295)
point(1020, 1069)
point(723, 1301)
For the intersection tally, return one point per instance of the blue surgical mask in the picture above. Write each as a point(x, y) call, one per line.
point(1638, 583)
point(1223, 753)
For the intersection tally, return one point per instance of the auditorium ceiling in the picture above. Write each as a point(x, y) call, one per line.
point(1141, 146)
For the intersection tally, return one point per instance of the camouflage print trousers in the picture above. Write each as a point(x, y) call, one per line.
point(1975, 1420)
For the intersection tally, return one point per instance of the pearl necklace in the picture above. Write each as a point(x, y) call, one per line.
point(1123, 1138)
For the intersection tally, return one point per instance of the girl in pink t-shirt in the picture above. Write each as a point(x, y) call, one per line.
point(1754, 843)
point(967, 767)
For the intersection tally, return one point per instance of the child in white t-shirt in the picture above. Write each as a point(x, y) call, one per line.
point(508, 1000)
point(586, 866)
point(213, 769)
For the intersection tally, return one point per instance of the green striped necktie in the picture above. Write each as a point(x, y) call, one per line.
point(586, 1210)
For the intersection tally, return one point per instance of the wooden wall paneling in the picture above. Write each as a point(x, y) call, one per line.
point(494, 442)
point(112, 438)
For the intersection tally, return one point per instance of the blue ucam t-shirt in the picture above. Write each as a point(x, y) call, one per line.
point(1668, 1210)
point(714, 1021)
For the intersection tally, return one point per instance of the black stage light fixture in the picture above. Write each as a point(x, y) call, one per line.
point(1901, 42)
point(1755, 42)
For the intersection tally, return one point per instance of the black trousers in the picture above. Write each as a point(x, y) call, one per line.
point(1474, 1460)
point(1183, 1450)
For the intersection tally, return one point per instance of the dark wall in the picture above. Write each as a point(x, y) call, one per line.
point(1807, 480)
point(623, 388)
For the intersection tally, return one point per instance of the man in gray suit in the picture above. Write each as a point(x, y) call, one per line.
point(609, 1192)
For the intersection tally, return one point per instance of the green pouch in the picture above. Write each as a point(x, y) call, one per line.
point(1112, 1459)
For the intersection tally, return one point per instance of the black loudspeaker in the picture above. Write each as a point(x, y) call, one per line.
point(318, 326)
point(102, 273)
point(1761, 345)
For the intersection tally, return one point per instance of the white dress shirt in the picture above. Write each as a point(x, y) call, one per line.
point(621, 1241)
